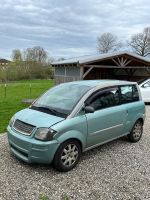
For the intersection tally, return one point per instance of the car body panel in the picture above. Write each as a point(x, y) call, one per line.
point(105, 124)
point(72, 128)
point(91, 129)
point(145, 91)
point(31, 150)
point(37, 118)
point(135, 111)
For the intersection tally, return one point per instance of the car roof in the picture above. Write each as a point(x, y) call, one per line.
point(103, 82)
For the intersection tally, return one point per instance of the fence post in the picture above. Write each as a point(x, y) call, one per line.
point(30, 91)
point(5, 90)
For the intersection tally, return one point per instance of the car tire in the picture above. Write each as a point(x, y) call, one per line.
point(136, 132)
point(67, 156)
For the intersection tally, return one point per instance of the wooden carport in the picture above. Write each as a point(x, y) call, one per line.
point(122, 66)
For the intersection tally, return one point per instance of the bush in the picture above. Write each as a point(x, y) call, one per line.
point(26, 70)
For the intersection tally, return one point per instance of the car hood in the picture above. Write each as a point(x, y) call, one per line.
point(37, 118)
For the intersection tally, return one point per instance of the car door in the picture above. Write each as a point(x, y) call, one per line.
point(145, 91)
point(107, 121)
point(129, 98)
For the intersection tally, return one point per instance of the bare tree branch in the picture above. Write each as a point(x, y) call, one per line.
point(108, 42)
point(140, 42)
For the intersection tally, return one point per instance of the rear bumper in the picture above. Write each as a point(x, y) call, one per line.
point(31, 150)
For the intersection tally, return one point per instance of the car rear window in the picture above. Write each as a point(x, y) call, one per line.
point(129, 93)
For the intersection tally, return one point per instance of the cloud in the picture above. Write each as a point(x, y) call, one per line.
point(68, 28)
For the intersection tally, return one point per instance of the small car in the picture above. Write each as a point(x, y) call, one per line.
point(144, 86)
point(74, 117)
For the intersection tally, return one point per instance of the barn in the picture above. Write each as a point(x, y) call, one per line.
point(120, 65)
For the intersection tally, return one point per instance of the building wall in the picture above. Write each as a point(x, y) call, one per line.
point(66, 74)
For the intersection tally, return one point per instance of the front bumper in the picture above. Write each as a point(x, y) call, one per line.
point(31, 150)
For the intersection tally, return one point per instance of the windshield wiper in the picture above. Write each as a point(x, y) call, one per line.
point(46, 108)
point(50, 110)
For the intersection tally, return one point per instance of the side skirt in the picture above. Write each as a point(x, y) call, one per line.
point(96, 145)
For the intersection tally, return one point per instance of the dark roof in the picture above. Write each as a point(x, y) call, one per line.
point(4, 60)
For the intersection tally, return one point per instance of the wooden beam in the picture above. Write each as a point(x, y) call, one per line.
point(65, 71)
point(125, 64)
point(81, 72)
point(148, 70)
point(118, 67)
point(124, 61)
point(121, 61)
point(115, 62)
point(86, 73)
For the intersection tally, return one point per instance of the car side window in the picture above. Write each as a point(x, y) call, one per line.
point(105, 99)
point(147, 84)
point(129, 93)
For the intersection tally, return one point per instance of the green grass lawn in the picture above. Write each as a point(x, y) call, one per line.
point(16, 92)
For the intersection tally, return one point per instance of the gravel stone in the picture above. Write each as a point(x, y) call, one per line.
point(118, 170)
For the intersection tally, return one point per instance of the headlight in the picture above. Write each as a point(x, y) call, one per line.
point(45, 134)
point(11, 121)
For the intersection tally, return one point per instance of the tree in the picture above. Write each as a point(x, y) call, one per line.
point(16, 55)
point(36, 54)
point(61, 59)
point(140, 42)
point(32, 63)
point(108, 42)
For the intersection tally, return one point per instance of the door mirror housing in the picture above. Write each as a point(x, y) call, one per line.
point(89, 109)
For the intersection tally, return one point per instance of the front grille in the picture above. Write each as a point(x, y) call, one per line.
point(23, 127)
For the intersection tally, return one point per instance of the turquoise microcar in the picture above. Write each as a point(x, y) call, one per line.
point(74, 117)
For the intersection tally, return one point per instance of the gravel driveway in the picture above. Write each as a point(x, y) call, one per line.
point(118, 170)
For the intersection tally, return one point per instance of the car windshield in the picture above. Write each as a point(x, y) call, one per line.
point(61, 99)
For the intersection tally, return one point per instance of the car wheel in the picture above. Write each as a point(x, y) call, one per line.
point(67, 155)
point(136, 132)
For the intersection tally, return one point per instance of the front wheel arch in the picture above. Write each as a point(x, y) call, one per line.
point(73, 135)
point(75, 139)
point(141, 119)
point(57, 162)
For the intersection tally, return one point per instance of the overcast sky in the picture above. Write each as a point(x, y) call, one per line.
point(67, 28)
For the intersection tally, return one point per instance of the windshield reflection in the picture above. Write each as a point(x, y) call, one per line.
point(61, 99)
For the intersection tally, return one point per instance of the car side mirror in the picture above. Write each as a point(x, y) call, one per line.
point(89, 109)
